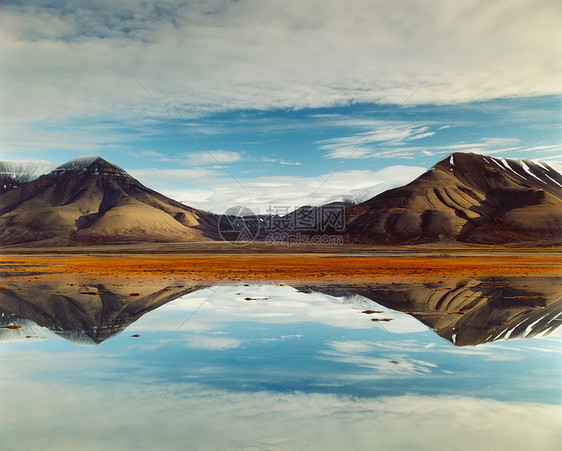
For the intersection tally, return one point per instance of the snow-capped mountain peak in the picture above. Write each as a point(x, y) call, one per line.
point(357, 196)
point(88, 162)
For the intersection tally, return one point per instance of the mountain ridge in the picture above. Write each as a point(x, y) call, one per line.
point(91, 200)
point(464, 197)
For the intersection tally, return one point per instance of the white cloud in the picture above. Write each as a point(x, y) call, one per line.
point(74, 139)
point(211, 157)
point(216, 191)
point(153, 155)
point(274, 305)
point(384, 368)
point(397, 145)
point(356, 353)
point(279, 161)
point(152, 177)
point(353, 146)
point(211, 343)
point(544, 148)
point(75, 61)
point(166, 415)
point(351, 346)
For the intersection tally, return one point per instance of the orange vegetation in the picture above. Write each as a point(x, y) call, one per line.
point(293, 268)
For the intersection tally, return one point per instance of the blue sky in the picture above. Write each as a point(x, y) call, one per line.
point(198, 98)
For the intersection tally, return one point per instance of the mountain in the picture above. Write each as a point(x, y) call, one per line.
point(358, 196)
point(15, 173)
point(82, 314)
point(465, 197)
point(465, 312)
point(392, 177)
point(91, 200)
point(472, 312)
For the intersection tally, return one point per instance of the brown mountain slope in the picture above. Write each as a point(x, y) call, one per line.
point(465, 197)
point(91, 200)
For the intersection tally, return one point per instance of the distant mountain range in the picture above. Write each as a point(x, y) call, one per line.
point(464, 197)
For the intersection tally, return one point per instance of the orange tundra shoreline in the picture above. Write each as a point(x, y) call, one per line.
point(295, 268)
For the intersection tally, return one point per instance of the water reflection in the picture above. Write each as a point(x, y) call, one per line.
point(464, 312)
point(471, 312)
point(279, 367)
point(81, 313)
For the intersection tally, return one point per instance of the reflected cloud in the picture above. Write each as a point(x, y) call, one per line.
point(280, 367)
point(212, 343)
point(200, 418)
point(355, 353)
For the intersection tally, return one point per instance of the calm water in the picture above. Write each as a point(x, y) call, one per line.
point(466, 364)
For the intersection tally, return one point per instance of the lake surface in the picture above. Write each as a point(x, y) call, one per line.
point(460, 364)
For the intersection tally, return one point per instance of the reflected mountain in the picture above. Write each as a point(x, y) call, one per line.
point(473, 312)
point(83, 314)
point(464, 312)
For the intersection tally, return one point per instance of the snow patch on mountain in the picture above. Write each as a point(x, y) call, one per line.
point(389, 178)
point(555, 165)
point(525, 168)
point(25, 171)
point(85, 163)
point(79, 164)
point(536, 169)
point(357, 196)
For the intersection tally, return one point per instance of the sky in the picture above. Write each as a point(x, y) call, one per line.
point(256, 103)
